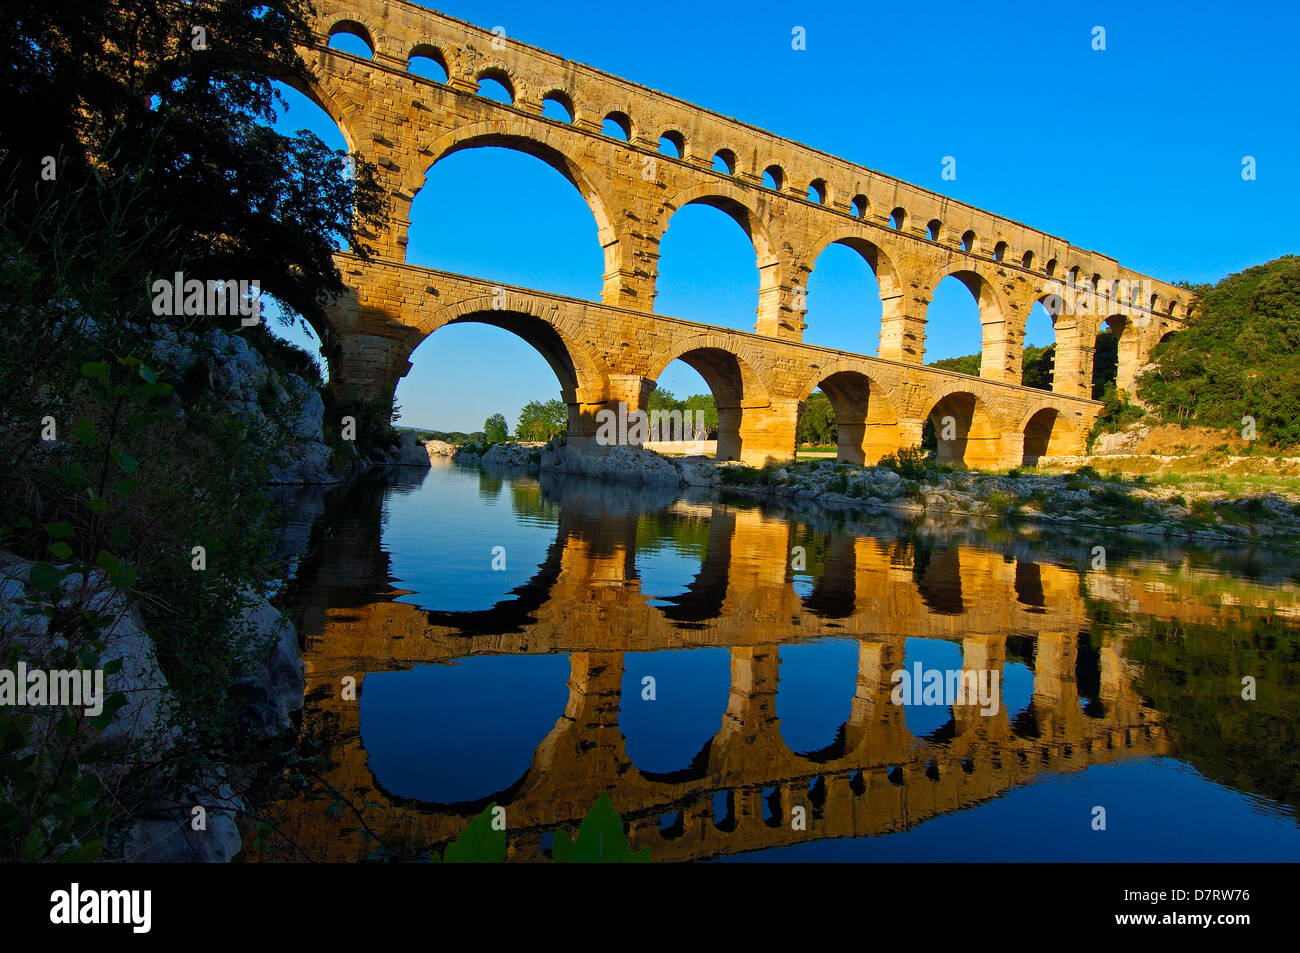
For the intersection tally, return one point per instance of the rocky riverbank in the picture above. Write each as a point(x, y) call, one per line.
point(1207, 514)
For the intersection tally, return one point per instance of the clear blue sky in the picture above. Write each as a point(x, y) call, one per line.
point(1135, 151)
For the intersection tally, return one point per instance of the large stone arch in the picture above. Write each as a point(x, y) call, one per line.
point(738, 204)
point(553, 147)
point(866, 410)
point(1000, 324)
point(879, 259)
point(583, 377)
point(969, 430)
point(740, 393)
point(348, 115)
point(1049, 431)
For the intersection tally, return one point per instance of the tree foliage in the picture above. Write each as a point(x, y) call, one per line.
point(968, 364)
point(542, 420)
point(1239, 356)
point(176, 96)
point(495, 429)
point(817, 427)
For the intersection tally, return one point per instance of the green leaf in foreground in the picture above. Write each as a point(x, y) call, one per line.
point(600, 839)
point(480, 843)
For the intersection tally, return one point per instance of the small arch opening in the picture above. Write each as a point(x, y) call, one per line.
point(558, 105)
point(859, 206)
point(1050, 270)
point(673, 143)
point(349, 36)
point(817, 191)
point(932, 230)
point(999, 251)
point(897, 217)
point(617, 125)
point(1027, 260)
point(496, 85)
point(429, 63)
point(774, 177)
point(968, 241)
point(724, 161)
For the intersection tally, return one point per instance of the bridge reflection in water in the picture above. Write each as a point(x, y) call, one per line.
point(586, 600)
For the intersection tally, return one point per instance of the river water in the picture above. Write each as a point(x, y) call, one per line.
point(725, 670)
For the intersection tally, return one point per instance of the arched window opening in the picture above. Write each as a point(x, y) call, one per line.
point(558, 106)
point(1027, 261)
point(349, 36)
point(673, 143)
point(859, 206)
point(774, 177)
point(968, 241)
point(496, 86)
point(933, 229)
point(617, 125)
point(1050, 270)
point(428, 62)
point(999, 251)
point(817, 191)
point(897, 217)
point(724, 161)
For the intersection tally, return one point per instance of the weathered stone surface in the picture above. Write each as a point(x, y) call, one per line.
point(614, 351)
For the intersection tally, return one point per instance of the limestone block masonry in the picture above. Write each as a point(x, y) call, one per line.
point(791, 200)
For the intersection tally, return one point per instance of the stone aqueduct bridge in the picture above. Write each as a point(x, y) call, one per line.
point(615, 350)
point(587, 601)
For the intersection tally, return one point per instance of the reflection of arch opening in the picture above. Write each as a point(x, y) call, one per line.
point(867, 425)
point(733, 384)
point(1048, 434)
point(967, 435)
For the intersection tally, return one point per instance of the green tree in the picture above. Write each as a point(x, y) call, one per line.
point(703, 405)
point(495, 429)
point(1239, 356)
point(542, 420)
point(817, 426)
point(1036, 366)
point(176, 97)
point(969, 364)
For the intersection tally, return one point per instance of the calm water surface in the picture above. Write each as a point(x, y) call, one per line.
point(724, 670)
